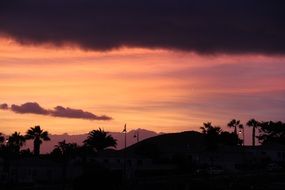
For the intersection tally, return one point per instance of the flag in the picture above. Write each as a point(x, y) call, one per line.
point(125, 129)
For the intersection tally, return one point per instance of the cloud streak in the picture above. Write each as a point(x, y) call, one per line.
point(3, 106)
point(58, 111)
point(29, 107)
point(202, 26)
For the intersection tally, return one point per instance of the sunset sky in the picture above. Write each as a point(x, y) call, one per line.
point(166, 71)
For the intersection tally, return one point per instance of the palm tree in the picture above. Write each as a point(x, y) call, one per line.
point(235, 124)
point(38, 135)
point(2, 138)
point(241, 127)
point(212, 134)
point(16, 141)
point(209, 129)
point(100, 140)
point(66, 149)
point(253, 123)
point(271, 132)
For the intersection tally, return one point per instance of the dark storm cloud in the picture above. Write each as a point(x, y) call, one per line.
point(58, 111)
point(204, 26)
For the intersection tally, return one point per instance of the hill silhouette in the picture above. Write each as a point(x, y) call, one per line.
point(49, 145)
point(171, 143)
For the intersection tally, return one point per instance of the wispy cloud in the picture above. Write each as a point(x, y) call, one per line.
point(58, 111)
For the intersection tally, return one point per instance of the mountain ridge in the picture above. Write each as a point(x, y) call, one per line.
point(48, 146)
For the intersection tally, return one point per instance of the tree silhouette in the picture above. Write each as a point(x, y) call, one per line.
point(65, 150)
point(100, 140)
point(272, 132)
point(209, 129)
point(38, 135)
point(241, 127)
point(15, 142)
point(235, 124)
point(228, 138)
point(254, 124)
point(212, 134)
point(2, 138)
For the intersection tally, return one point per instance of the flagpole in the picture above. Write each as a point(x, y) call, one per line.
point(125, 156)
point(125, 129)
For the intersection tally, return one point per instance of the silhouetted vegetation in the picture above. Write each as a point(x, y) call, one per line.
point(15, 142)
point(254, 124)
point(38, 135)
point(271, 132)
point(215, 135)
point(235, 124)
point(2, 139)
point(228, 138)
point(171, 161)
point(64, 151)
point(100, 140)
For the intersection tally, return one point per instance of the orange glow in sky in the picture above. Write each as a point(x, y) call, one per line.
point(158, 90)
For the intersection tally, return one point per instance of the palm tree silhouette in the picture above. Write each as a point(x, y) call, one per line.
point(209, 129)
point(253, 123)
point(212, 134)
point(66, 149)
point(16, 141)
point(38, 135)
point(100, 140)
point(241, 127)
point(235, 124)
point(2, 138)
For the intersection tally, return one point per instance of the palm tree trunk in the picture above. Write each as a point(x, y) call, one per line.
point(237, 138)
point(243, 139)
point(253, 135)
point(37, 144)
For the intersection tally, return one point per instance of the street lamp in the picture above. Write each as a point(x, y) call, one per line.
point(137, 135)
point(241, 131)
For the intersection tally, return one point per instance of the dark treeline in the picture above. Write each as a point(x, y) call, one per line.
point(98, 140)
point(80, 165)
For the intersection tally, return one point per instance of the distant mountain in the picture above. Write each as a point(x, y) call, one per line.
point(48, 146)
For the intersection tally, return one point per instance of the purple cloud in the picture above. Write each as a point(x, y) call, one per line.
point(58, 111)
point(29, 107)
point(3, 106)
